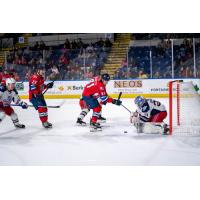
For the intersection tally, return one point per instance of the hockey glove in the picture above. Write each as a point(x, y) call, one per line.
point(2, 88)
point(24, 105)
point(50, 85)
point(117, 102)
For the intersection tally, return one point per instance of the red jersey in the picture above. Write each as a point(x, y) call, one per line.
point(36, 85)
point(97, 89)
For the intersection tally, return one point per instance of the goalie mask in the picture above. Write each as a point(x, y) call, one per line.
point(139, 101)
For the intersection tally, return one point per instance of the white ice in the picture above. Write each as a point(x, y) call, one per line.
point(68, 144)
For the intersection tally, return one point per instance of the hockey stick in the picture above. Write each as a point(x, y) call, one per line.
point(38, 106)
point(126, 108)
point(120, 94)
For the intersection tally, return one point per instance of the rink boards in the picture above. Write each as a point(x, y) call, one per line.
point(150, 88)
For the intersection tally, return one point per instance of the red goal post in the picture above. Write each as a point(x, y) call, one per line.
point(184, 108)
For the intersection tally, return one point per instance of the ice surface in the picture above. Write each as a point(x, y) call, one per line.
point(68, 144)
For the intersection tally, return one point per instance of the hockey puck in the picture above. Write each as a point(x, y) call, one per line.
point(125, 132)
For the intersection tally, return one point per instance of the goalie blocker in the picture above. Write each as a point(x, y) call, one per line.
point(149, 116)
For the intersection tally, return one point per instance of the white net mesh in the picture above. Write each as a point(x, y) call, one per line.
point(189, 110)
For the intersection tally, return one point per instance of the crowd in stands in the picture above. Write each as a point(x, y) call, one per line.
point(141, 60)
point(76, 60)
point(73, 60)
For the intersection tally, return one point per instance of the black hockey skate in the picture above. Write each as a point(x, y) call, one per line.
point(165, 129)
point(80, 122)
point(101, 119)
point(18, 125)
point(95, 127)
point(47, 125)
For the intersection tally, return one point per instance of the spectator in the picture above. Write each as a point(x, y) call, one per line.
point(100, 43)
point(36, 46)
point(142, 74)
point(157, 75)
point(55, 75)
point(74, 45)
point(42, 45)
point(107, 43)
point(80, 43)
point(67, 44)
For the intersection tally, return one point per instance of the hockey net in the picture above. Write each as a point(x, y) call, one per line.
point(184, 109)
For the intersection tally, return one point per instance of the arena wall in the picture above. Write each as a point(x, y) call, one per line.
point(151, 88)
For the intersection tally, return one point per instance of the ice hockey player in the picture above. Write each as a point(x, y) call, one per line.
point(84, 111)
point(95, 95)
point(36, 97)
point(8, 74)
point(8, 94)
point(149, 116)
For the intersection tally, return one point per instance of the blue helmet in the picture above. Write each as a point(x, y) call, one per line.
point(139, 101)
point(105, 77)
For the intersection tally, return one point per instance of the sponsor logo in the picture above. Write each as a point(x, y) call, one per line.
point(73, 87)
point(61, 88)
point(159, 89)
point(19, 86)
point(128, 84)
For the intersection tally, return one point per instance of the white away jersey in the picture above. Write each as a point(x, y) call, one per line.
point(6, 97)
point(149, 109)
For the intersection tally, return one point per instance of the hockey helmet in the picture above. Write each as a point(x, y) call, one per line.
point(105, 77)
point(10, 81)
point(139, 101)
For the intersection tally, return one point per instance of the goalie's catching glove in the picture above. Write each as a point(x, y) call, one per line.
point(117, 102)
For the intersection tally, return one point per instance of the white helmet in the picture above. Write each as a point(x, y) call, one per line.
point(10, 81)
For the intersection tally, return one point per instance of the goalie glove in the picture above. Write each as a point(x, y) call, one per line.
point(134, 117)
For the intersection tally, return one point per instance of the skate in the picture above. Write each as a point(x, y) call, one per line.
point(80, 122)
point(47, 124)
point(95, 127)
point(101, 119)
point(18, 125)
point(165, 129)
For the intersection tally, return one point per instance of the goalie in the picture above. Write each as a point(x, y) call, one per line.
point(149, 116)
